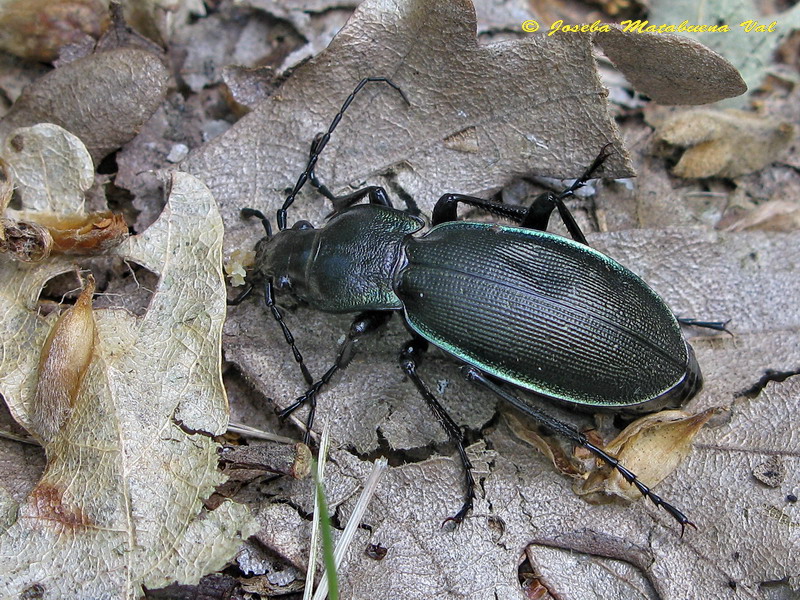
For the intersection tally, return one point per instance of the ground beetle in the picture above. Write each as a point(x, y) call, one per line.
point(517, 305)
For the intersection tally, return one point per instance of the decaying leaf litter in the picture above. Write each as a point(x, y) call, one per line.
point(697, 272)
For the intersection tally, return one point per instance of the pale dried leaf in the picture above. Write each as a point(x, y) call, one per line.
point(120, 503)
point(51, 166)
point(726, 143)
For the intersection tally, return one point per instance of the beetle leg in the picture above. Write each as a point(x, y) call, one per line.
point(321, 141)
point(715, 325)
point(475, 375)
point(446, 206)
point(409, 357)
point(364, 323)
point(241, 296)
point(375, 194)
point(538, 215)
point(541, 208)
point(269, 300)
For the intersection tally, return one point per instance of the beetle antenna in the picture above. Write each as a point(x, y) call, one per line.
point(321, 142)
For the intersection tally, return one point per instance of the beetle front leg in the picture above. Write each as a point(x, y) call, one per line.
point(363, 324)
point(409, 357)
point(476, 376)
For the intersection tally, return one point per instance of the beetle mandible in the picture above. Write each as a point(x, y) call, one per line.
point(516, 305)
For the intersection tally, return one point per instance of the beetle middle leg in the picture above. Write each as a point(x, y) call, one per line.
point(364, 323)
point(476, 376)
point(536, 216)
point(409, 357)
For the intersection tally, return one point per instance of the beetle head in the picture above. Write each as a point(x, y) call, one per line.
point(283, 256)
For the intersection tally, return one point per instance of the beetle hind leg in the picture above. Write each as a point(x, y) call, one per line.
point(409, 357)
point(476, 376)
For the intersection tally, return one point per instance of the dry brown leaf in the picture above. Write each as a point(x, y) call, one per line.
point(93, 233)
point(550, 446)
point(749, 49)
point(120, 504)
point(531, 106)
point(725, 143)
point(103, 98)
point(671, 69)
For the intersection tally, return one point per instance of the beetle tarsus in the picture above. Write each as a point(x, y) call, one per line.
point(252, 212)
point(714, 325)
point(410, 355)
point(476, 376)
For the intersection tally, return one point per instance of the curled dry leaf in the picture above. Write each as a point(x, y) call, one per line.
point(725, 143)
point(550, 446)
point(478, 114)
point(65, 357)
point(292, 460)
point(38, 29)
point(120, 504)
point(85, 234)
point(28, 242)
point(652, 447)
point(104, 98)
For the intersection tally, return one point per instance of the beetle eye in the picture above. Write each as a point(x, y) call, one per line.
point(302, 225)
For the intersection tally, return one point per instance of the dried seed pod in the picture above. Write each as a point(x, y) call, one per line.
point(65, 358)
